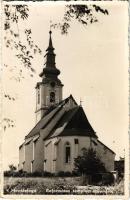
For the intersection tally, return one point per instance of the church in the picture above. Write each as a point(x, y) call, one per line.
point(62, 129)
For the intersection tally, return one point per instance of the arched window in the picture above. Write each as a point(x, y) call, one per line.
point(67, 152)
point(52, 97)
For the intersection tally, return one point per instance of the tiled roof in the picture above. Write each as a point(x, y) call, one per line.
point(48, 116)
point(73, 123)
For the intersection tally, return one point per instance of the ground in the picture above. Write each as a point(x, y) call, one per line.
point(56, 185)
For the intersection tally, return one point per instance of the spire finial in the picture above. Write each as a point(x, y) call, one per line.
point(50, 40)
point(81, 102)
point(50, 32)
point(50, 27)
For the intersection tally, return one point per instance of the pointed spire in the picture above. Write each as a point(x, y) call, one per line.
point(50, 69)
point(50, 55)
point(50, 40)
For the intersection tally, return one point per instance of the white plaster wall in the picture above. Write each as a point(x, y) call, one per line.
point(45, 90)
point(106, 156)
point(38, 164)
point(45, 94)
point(60, 155)
point(21, 157)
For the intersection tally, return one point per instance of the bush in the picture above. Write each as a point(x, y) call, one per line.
point(8, 173)
point(18, 174)
point(88, 163)
point(60, 173)
point(103, 178)
point(64, 174)
point(75, 173)
point(96, 179)
point(47, 174)
point(35, 174)
point(108, 179)
point(68, 174)
point(22, 173)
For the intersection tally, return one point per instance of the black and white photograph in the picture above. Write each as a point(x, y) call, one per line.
point(65, 99)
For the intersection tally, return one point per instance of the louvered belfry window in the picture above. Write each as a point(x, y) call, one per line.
point(52, 97)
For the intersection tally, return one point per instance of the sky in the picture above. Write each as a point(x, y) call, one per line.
point(93, 61)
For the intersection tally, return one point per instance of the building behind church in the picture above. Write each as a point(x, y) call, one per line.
point(62, 129)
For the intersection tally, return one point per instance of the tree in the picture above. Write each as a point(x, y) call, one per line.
point(88, 163)
point(84, 14)
point(12, 168)
point(23, 48)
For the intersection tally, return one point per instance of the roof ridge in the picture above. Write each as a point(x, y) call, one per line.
point(52, 117)
point(75, 109)
point(56, 109)
point(60, 103)
point(42, 119)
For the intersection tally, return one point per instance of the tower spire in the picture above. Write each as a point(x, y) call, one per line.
point(49, 90)
point(50, 72)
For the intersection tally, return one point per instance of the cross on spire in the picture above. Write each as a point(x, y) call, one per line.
point(81, 102)
point(50, 24)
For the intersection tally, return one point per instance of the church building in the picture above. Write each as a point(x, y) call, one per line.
point(62, 129)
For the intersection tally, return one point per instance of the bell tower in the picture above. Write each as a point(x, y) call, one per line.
point(49, 90)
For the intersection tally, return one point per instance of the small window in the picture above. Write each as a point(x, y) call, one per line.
point(76, 141)
point(52, 97)
point(67, 153)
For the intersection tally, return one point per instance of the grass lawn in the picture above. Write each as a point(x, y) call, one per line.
point(57, 185)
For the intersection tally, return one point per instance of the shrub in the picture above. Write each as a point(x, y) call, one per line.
point(88, 163)
point(20, 173)
point(103, 179)
point(6, 173)
point(12, 168)
point(60, 173)
point(36, 174)
point(75, 173)
point(108, 178)
point(68, 174)
point(47, 174)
